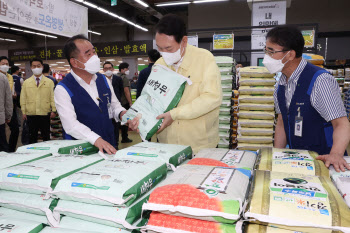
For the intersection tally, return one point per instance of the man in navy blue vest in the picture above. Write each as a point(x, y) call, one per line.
point(85, 100)
point(311, 114)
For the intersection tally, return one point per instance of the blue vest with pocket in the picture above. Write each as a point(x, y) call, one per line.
point(88, 113)
point(317, 133)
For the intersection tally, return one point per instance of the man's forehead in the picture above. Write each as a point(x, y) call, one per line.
point(83, 44)
point(272, 45)
point(4, 61)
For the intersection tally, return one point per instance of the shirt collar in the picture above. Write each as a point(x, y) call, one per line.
point(295, 75)
point(186, 60)
point(80, 80)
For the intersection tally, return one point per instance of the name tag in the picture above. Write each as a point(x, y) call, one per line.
point(298, 130)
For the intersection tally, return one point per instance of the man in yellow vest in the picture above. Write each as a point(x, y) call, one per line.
point(37, 102)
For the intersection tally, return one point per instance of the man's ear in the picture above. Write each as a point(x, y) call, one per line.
point(185, 40)
point(293, 55)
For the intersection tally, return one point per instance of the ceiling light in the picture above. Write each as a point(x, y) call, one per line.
point(110, 60)
point(10, 40)
point(60, 62)
point(139, 58)
point(17, 64)
point(79, 0)
point(29, 32)
point(120, 61)
point(60, 67)
point(205, 1)
point(2, 39)
point(4, 27)
point(52, 36)
point(16, 29)
point(90, 4)
point(97, 33)
point(173, 4)
point(145, 60)
point(66, 65)
point(54, 65)
point(141, 3)
point(103, 10)
point(142, 64)
point(40, 34)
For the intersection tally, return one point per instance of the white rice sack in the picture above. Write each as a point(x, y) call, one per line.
point(257, 81)
point(343, 185)
point(225, 111)
point(257, 228)
point(223, 143)
point(202, 192)
point(226, 103)
point(162, 92)
point(224, 135)
point(255, 139)
point(225, 158)
point(121, 217)
point(334, 174)
point(226, 71)
point(224, 119)
point(255, 131)
point(256, 90)
point(224, 59)
point(257, 107)
point(256, 99)
point(226, 79)
point(226, 87)
point(246, 123)
point(12, 159)
point(299, 202)
point(61, 147)
point(171, 154)
point(19, 225)
point(224, 127)
point(258, 115)
point(255, 71)
point(119, 181)
point(10, 213)
point(30, 203)
point(253, 146)
point(64, 230)
point(227, 95)
point(41, 176)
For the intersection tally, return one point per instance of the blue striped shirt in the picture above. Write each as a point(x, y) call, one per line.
point(325, 95)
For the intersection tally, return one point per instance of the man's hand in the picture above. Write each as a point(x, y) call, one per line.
point(14, 95)
point(167, 120)
point(24, 117)
point(134, 124)
point(52, 115)
point(121, 115)
point(103, 145)
point(336, 160)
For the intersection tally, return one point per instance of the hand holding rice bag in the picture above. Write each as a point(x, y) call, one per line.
point(162, 93)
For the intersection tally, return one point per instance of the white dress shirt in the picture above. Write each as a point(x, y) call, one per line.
point(67, 113)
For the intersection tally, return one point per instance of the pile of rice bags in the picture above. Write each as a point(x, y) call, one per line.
point(56, 129)
point(314, 59)
point(256, 108)
point(228, 107)
point(342, 181)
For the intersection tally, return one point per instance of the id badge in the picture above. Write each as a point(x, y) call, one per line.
point(110, 112)
point(298, 131)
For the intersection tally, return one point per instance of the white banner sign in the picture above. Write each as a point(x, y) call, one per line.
point(60, 17)
point(193, 40)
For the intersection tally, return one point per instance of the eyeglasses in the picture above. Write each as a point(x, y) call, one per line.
point(271, 53)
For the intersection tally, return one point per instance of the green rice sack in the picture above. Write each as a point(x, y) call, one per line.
point(61, 146)
point(255, 131)
point(257, 107)
point(255, 139)
point(119, 181)
point(41, 176)
point(10, 213)
point(256, 90)
point(171, 154)
point(162, 93)
point(30, 203)
point(248, 123)
point(14, 225)
point(257, 115)
point(256, 99)
point(12, 159)
point(257, 81)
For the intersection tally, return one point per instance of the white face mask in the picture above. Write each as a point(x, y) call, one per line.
point(172, 58)
point(4, 68)
point(37, 71)
point(127, 72)
point(109, 73)
point(92, 65)
point(274, 65)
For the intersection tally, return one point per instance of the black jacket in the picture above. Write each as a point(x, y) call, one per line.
point(143, 79)
point(117, 83)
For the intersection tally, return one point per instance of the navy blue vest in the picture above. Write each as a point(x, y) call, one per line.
point(88, 113)
point(317, 134)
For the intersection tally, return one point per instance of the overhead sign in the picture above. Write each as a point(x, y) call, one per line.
point(60, 17)
point(111, 49)
point(309, 37)
point(223, 41)
point(113, 2)
point(269, 13)
point(193, 40)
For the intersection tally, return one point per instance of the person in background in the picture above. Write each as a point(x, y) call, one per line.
point(195, 121)
point(13, 124)
point(46, 73)
point(311, 113)
point(6, 106)
point(37, 102)
point(153, 56)
point(117, 83)
point(15, 71)
point(133, 84)
point(125, 98)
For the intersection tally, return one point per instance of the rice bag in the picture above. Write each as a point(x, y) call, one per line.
point(225, 111)
point(224, 119)
point(224, 135)
point(226, 79)
point(10, 213)
point(41, 176)
point(226, 71)
point(171, 154)
point(119, 181)
point(79, 147)
point(257, 115)
point(224, 127)
point(164, 223)
point(19, 225)
point(255, 71)
point(255, 131)
point(334, 174)
point(121, 217)
point(343, 185)
point(247, 123)
point(225, 158)
point(293, 161)
point(226, 95)
point(256, 90)
point(162, 92)
point(224, 59)
point(257, 81)
point(202, 192)
point(257, 228)
point(12, 159)
point(64, 230)
point(298, 202)
point(258, 107)
point(29, 203)
point(253, 146)
point(255, 139)
point(226, 87)
point(223, 143)
point(313, 58)
point(256, 99)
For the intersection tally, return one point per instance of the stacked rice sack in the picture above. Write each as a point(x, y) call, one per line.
point(256, 108)
point(112, 192)
point(227, 108)
point(133, 95)
point(56, 128)
point(292, 191)
point(314, 59)
point(205, 195)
